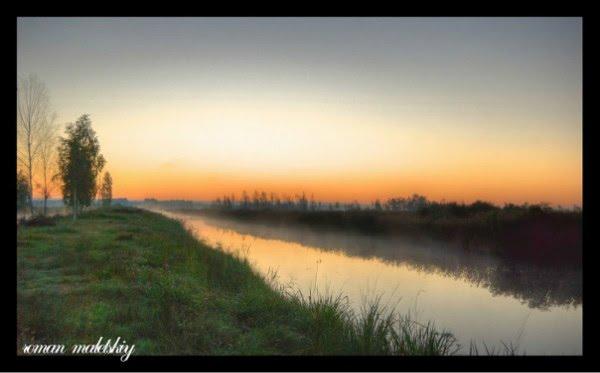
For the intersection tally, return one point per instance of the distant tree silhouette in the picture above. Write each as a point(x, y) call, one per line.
point(245, 200)
point(256, 200)
point(22, 191)
point(415, 203)
point(80, 162)
point(271, 199)
point(264, 203)
point(106, 189)
point(302, 202)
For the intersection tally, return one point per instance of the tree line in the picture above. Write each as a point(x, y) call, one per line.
point(260, 200)
point(46, 161)
point(416, 203)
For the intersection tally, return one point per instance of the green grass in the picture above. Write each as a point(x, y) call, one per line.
point(144, 277)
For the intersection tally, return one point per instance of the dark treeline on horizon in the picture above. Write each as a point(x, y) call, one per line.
point(534, 233)
point(261, 200)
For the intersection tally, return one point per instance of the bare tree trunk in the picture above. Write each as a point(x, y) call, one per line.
point(45, 190)
point(30, 172)
point(47, 155)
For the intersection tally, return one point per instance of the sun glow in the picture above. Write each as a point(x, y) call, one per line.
point(343, 118)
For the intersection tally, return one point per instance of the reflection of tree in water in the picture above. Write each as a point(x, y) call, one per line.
point(538, 287)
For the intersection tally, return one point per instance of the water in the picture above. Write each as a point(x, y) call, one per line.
point(476, 297)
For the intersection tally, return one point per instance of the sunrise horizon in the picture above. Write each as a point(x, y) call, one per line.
point(345, 109)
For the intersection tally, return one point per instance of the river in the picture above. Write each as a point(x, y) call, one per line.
point(479, 298)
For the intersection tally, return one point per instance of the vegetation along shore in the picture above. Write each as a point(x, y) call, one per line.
point(535, 234)
point(144, 277)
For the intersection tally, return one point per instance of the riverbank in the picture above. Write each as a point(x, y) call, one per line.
point(134, 274)
point(548, 238)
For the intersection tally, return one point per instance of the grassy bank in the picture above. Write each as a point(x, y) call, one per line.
point(528, 235)
point(140, 276)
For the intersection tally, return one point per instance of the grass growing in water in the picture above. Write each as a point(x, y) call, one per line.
point(374, 331)
point(144, 277)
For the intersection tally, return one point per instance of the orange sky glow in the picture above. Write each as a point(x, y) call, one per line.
point(342, 109)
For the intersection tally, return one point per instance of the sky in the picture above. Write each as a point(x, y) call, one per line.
point(343, 108)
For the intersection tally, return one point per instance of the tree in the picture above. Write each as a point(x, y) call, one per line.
point(47, 160)
point(33, 117)
point(79, 163)
point(256, 200)
point(106, 189)
point(245, 200)
point(22, 191)
point(302, 202)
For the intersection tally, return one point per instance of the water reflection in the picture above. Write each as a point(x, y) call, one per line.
point(538, 287)
point(476, 297)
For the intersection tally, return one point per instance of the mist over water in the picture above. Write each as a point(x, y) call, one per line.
point(477, 297)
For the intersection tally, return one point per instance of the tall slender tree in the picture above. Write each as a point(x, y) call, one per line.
point(79, 163)
point(106, 189)
point(33, 118)
point(47, 161)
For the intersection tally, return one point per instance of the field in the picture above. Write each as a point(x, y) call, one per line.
point(134, 274)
